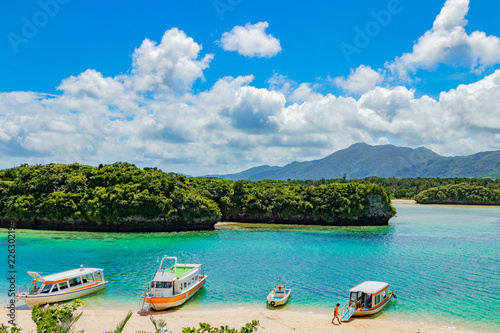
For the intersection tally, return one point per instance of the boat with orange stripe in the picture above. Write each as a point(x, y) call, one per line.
point(367, 298)
point(63, 286)
point(173, 285)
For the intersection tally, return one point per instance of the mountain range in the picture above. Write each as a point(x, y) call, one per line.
point(362, 160)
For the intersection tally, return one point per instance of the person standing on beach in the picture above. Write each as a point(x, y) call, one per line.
point(336, 314)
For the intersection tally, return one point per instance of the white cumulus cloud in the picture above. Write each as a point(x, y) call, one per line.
point(359, 80)
point(448, 43)
point(234, 125)
point(151, 117)
point(468, 114)
point(251, 41)
point(170, 65)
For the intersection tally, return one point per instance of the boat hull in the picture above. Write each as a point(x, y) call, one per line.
point(378, 308)
point(163, 303)
point(33, 300)
point(278, 301)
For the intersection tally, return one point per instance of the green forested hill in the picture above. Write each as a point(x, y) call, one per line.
point(80, 196)
point(361, 160)
point(288, 202)
point(460, 194)
point(122, 197)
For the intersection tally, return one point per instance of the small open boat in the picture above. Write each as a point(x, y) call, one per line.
point(172, 286)
point(63, 286)
point(368, 298)
point(279, 295)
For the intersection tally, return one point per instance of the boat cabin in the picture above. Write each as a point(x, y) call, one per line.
point(368, 294)
point(279, 290)
point(65, 281)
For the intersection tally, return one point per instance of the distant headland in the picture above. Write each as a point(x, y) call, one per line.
point(361, 160)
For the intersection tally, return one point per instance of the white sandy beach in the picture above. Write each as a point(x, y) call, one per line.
point(271, 320)
point(403, 201)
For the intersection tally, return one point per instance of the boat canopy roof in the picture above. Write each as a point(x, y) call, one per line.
point(66, 274)
point(169, 274)
point(369, 287)
point(164, 276)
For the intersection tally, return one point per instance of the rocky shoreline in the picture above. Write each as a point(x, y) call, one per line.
point(125, 226)
point(148, 226)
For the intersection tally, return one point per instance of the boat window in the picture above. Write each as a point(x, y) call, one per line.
point(184, 284)
point(88, 278)
point(368, 300)
point(377, 299)
point(63, 285)
point(166, 284)
point(384, 295)
point(46, 289)
point(75, 281)
point(98, 276)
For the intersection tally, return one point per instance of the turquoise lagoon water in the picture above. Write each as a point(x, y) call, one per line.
point(442, 261)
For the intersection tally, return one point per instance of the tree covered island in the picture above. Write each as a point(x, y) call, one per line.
point(122, 197)
point(463, 193)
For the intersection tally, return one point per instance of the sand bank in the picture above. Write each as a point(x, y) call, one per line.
point(403, 201)
point(272, 321)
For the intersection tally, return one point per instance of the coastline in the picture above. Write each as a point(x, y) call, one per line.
point(271, 320)
point(414, 202)
point(403, 202)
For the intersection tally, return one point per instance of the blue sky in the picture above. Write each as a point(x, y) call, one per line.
point(219, 86)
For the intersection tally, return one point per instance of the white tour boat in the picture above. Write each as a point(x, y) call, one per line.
point(173, 285)
point(368, 298)
point(63, 286)
point(279, 295)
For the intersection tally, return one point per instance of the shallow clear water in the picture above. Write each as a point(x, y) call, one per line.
point(442, 261)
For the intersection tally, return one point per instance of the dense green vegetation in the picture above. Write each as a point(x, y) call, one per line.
point(56, 318)
point(121, 194)
point(406, 188)
point(460, 193)
point(292, 202)
point(109, 194)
